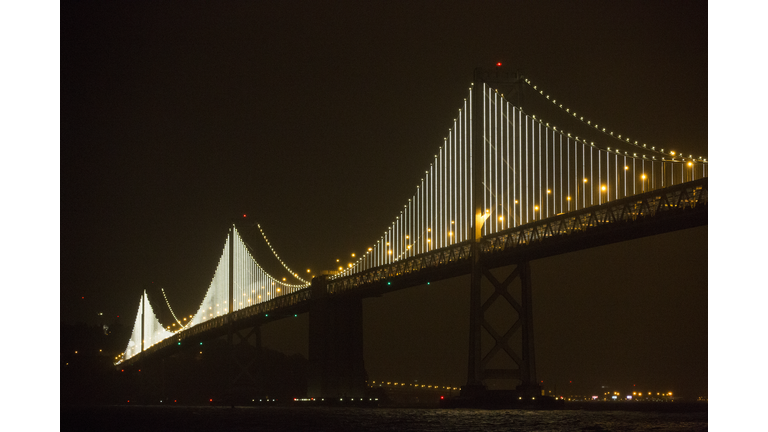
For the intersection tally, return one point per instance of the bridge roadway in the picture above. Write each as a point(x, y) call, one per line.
point(656, 212)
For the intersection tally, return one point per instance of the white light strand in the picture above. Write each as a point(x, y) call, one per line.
point(610, 134)
point(154, 331)
point(134, 342)
point(169, 308)
point(294, 274)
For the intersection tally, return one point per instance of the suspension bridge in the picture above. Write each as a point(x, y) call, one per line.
point(504, 188)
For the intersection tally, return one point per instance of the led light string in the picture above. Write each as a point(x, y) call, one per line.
point(294, 274)
point(703, 162)
point(217, 294)
point(134, 342)
point(436, 215)
point(249, 274)
point(170, 309)
point(218, 290)
point(531, 170)
point(609, 133)
point(154, 331)
point(304, 285)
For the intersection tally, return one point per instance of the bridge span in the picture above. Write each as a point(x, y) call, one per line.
point(505, 188)
point(656, 212)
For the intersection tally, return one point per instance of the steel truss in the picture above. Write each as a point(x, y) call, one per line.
point(524, 358)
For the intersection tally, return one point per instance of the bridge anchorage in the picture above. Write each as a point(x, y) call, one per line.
point(504, 189)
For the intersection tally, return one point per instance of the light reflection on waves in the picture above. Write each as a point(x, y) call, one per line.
point(281, 418)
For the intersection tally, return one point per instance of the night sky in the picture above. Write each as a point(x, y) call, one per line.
point(317, 119)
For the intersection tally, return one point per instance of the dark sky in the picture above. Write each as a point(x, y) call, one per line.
point(316, 119)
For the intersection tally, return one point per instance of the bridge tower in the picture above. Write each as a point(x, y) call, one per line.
point(477, 365)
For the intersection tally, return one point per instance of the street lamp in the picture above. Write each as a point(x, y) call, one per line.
point(643, 181)
point(626, 168)
point(549, 192)
point(583, 192)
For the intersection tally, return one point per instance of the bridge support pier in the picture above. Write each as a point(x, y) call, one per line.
point(336, 366)
point(245, 357)
point(478, 369)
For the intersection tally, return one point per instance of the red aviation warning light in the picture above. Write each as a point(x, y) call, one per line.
point(498, 64)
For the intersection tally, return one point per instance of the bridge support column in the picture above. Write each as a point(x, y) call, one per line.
point(245, 357)
point(529, 386)
point(336, 366)
point(525, 362)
